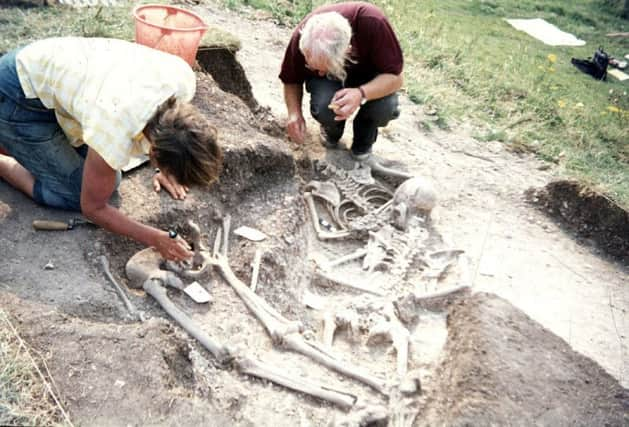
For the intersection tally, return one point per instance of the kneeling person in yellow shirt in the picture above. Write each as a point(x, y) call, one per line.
point(73, 111)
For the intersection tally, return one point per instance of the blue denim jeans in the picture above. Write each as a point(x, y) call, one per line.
point(30, 133)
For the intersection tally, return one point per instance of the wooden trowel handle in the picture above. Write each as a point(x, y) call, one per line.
point(50, 225)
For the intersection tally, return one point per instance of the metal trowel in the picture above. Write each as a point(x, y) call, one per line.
point(197, 293)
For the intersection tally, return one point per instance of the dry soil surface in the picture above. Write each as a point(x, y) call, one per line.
point(540, 339)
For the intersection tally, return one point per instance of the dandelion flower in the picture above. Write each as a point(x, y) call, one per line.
point(613, 109)
point(552, 58)
point(561, 103)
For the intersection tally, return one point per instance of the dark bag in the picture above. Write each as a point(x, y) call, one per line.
point(597, 67)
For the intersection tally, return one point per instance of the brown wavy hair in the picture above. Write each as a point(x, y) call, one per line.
point(184, 144)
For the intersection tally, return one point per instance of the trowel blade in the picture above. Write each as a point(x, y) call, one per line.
point(197, 293)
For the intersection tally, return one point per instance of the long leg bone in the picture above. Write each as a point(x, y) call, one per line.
point(255, 368)
point(295, 342)
point(282, 331)
point(154, 288)
point(121, 293)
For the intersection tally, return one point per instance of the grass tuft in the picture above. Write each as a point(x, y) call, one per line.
point(24, 396)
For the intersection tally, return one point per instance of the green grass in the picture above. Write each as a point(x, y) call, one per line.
point(466, 63)
point(24, 398)
point(23, 25)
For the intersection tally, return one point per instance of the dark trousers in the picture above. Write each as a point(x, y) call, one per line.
point(370, 117)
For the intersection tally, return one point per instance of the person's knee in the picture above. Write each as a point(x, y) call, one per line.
point(382, 111)
point(322, 113)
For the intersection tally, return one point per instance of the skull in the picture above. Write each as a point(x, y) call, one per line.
point(414, 197)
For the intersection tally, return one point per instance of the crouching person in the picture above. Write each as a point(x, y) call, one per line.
point(73, 111)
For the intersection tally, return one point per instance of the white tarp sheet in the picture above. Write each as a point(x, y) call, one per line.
point(545, 32)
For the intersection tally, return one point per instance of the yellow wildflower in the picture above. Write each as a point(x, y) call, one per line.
point(552, 58)
point(561, 103)
point(551, 70)
point(613, 109)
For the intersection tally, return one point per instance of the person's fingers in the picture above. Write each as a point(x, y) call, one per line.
point(185, 245)
point(156, 185)
point(169, 187)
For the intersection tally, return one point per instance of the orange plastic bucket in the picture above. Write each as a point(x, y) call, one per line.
point(170, 29)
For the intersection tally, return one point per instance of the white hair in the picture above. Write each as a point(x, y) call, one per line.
point(327, 35)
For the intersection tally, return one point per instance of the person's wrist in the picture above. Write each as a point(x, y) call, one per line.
point(363, 95)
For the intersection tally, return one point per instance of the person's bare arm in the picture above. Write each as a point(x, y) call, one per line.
point(296, 125)
point(348, 100)
point(99, 181)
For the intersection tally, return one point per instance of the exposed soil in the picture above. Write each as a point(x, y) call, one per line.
point(589, 214)
point(546, 346)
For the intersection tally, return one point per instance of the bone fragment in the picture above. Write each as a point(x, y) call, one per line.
point(329, 327)
point(255, 265)
point(383, 170)
point(155, 288)
point(121, 293)
point(399, 336)
point(341, 282)
point(145, 265)
point(198, 258)
point(227, 220)
point(257, 369)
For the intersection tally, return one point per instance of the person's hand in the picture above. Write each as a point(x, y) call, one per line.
point(296, 127)
point(173, 248)
point(169, 182)
point(345, 102)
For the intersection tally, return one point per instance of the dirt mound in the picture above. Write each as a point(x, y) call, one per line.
point(589, 214)
point(503, 368)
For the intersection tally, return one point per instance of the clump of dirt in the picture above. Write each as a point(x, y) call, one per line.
point(501, 368)
point(588, 213)
point(221, 63)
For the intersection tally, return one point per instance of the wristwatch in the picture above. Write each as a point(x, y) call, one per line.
point(363, 97)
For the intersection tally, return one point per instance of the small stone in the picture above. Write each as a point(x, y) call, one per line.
point(49, 266)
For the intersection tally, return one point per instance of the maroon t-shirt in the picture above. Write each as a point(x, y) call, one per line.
point(375, 48)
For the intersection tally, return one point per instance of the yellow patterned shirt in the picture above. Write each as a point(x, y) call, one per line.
point(103, 91)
